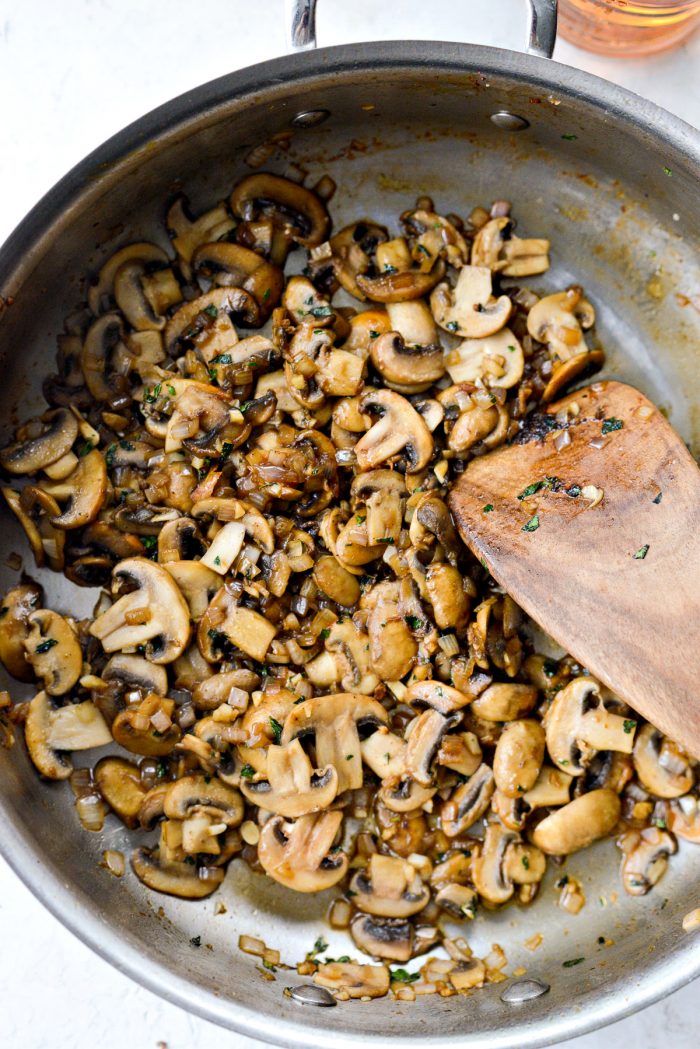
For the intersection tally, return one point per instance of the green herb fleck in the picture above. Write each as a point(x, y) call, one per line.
point(569, 137)
point(664, 904)
point(269, 965)
point(571, 962)
point(511, 349)
point(217, 561)
point(388, 268)
point(319, 947)
point(266, 294)
point(667, 171)
point(402, 976)
point(574, 491)
point(226, 449)
point(320, 311)
point(326, 632)
point(45, 645)
point(349, 757)
point(414, 622)
point(525, 860)
point(660, 823)
point(629, 725)
point(222, 358)
point(211, 311)
point(536, 486)
point(161, 769)
point(452, 326)
point(641, 553)
point(276, 731)
point(611, 424)
point(109, 456)
point(373, 334)
point(171, 390)
point(657, 500)
point(86, 449)
point(487, 509)
point(532, 525)
point(360, 518)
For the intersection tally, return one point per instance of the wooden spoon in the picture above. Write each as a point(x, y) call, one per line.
point(599, 541)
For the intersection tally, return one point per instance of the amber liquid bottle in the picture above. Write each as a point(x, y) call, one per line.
point(628, 28)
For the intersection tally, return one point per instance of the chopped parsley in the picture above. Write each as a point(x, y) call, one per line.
point(226, 449)
point(640, 554)
point(414, 622)
point(532, 525)
point(269, 965)
point(537, 486)
point(161, 769)
point(109, 456)
point(525, 860)
point(611, 424)
point(86, 449)
point(171, 390)
point(389, 269)
point(320, 311)
point(266, 295)
point(487, 509)
point(657, 500)
point(452, 326)
point(152, 393)
point(247, 772)
point(660, 823)
point(569, 137)
point(349, 757)
point(45, 645)
point(511, 349)
point(629, 725)
point(373, 334)
point(574, 491)
point(222, 358)
point(319, 947)
point(402, 976)
point(211, 311)
point(667, 171)
point(571, 962)
point(276, 729)
point(326, 632)
point(360, 518)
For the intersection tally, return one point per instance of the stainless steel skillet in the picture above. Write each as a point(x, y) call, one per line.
point(403, 118)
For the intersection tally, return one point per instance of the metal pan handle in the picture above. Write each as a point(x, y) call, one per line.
point(300, 17)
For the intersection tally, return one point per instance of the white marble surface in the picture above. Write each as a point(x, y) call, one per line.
point(71, 74)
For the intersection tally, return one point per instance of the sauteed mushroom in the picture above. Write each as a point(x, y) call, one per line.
point(301, 855)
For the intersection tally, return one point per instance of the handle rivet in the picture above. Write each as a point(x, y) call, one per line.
point(307, 994)
point(509, 121)
point(310, 118)
point(524, 991)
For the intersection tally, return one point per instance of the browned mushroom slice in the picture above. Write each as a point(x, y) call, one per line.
point(104, 340)
point(335, 722)
point(83, 492)
point(402, 285)
point(34, 509)
point(302, 855)
point(352, 248)
point(438, 695)
point(504, 862)
point(519, 756)
point(143, 296)
point(226, 625)
point(48, 731)
point(231, 265)
point(469, 309)
point(197, 793)
point(495, 360)
point(390, 938)
point(119, 782)
point(17, 606)
point(646, 859)
point(54, 652)
point(426, 736)
point(389, 887)
point(578, 824)
point(298, 210)
point(147, 727)
point(407, 368)
point(505, 702)
point(58, 431)
point(663, 768)
point(405, 795)
point(171, 877)
point(558, 320)
point(187, 233)
point(206, 322)
point(495, 246)
point(355, 981)
point(468, 802)
point(100, 294)
point(291, 787)
point(399, 429)
point(565, 373)
point(577, 724)
point(153, 614)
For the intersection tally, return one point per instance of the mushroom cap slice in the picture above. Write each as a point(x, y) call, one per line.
point(37, 727)
point(468, 802)
point(468, 309)
point(438, 695)
point(166, 629)
point(489, 874)
point(389, 887)
point(426, 735)
point(519, 756)
point(495, 360)
point(232, 265)
point(399, 429)
point(578, 824)
point(136, 672)
point(206, 321)
point(49, 730)
point(119, 783)
point(390, 938)
point(197, 793)
point(663, 768)
point(407, 368)
point(577, 724)
point(401, 286)
point(85, 490)
point(290, 786)
point(17, 606)
point(356, 981)
point(334, 722)
point(103, 288)
point(169, 877)
point(300, 855)
point(303, 213)
point(240, 627)
point(645, 864)
point(54, 652)
point(27, 457)
point(405, 795)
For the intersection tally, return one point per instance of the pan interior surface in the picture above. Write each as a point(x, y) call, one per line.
point(619, 203)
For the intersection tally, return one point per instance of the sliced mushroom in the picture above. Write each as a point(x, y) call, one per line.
point(187, 233)
point(401, 285)
point(17, 606)
point(551, 788)
point(335, 722)
point(302, 213)
point(469, 309)
point(197, 584)
point(232, 265)
point(558, 320)
point(445, 588)
point(301, 855)
point(518, 757)
point(385, 753)
point(35, 510)
point(83, 491)
point(505, 702)
point(663, 768)
point(50, 730)
point(468, 802)
point(390, 938)
point(437, 695)
point(355, 981)
point(171, 877)
point(104, 342)
point(399, 429)
point(59, 432)
point(54, 652)
point(136, 672)
point(577, 724)
point(143, 297)
point(405, 795)
point(578, 824)
point(153, 614)
point(346, 660)
point(336, 582)
point(100, 294)
point(496, 247)
point(119, 782)
point(426, 736)
point(407, 368)
point(646, 859)
point(226, 625)
point(504, 862)
point(197, 794)
point(459, 901)
point(147, 727)
point(495, 360)
point(351, 249)
point(291, 787)
point(389, 887)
